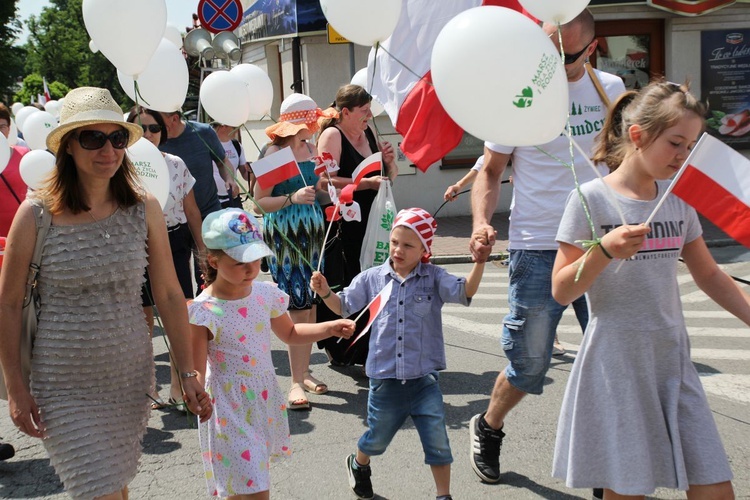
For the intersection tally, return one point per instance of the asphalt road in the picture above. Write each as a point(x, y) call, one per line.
point(322, 437)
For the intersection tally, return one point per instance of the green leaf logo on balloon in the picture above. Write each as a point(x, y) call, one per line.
point(525, 99)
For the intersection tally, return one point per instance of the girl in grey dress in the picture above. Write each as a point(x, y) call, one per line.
point(92, 362)
point(635, 416)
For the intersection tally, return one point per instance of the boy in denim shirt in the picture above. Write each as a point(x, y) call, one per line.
point(406, 346)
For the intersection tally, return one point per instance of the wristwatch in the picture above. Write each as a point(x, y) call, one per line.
point(189, 374)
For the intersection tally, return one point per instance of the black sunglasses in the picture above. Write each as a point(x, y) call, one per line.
point(154, 128)
point(94, 139)
point(571, 58)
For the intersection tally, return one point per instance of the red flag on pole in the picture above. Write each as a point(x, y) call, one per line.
point(373, 163)
point(374, 308)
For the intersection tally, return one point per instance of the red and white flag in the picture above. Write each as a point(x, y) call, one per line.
point(47, 95)
point(375, 306)
point(715, 180)
point(325, 163)
point(275, 168)
point(411, 102)
point(373, 163)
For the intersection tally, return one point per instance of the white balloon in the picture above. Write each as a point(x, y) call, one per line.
point(127, 32)
point(163, 84)
point(554, 11)
point(360, 78)
point(53, 108)
point(16, 107)
point(35, 167)
point(92, 47)
point(13, 133)
point(524, 107)
point(37, 128)
point(151, 168)
point(259, 87)
point(5, 152)
point(224, 97)
point(363, 21)
point(23, 114)
point(172, 33)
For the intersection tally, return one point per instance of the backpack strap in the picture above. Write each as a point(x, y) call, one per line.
point(238, 147)
point(597, 84)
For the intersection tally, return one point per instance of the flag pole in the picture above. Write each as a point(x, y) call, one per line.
point(674, 181)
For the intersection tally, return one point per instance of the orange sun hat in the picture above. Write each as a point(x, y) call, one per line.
point(298, 112)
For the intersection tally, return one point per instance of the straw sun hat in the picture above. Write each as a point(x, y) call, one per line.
point(298, 112)
point(89, 106)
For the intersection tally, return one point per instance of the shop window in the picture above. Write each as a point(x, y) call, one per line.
point(632, 50)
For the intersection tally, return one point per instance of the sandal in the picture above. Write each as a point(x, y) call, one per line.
point(158, 403)
point(314, 385)
point(297, 399)
point(177, 404)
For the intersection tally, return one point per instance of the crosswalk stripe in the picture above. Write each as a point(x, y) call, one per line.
point(731, 354)
point(736, 387)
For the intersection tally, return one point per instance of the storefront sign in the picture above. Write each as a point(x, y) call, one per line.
point(725, 84)
point(690, 7)
point(271, 19)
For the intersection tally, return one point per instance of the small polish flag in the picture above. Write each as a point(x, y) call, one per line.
point(325, 163)
point(47, 95)
point(375, 307)
point(275, 168)
point(715, 180)
point(373, 163)
point(351, 212)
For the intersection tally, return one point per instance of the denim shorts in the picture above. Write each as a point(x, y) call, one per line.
point(391, 401)
point(530, 326)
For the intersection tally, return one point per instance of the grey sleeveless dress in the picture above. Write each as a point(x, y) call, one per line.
point(92, 363)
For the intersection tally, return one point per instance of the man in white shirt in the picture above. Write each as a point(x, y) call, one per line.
point(541, 184)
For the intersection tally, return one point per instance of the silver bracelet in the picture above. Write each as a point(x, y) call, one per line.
point(189, 374)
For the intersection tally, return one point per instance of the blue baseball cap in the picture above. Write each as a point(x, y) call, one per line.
point(237, 233)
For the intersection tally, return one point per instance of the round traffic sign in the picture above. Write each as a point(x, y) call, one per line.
point(220, 15)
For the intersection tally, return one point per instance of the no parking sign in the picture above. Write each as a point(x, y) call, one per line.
point(220, 15)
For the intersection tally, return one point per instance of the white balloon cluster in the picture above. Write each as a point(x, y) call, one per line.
point(233, 97)
point(364, 22)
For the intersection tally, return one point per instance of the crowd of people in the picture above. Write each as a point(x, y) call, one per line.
point(111, 254)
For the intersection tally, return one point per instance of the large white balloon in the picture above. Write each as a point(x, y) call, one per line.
point(360, 78)
point(4, 152)
point(23, 114)
point(127, 32)
point(163, 84)
point(16, 107)
point(363, 21)
point(259, 87)
point(224, 96)
point(514, 90)
point(172, 33)
point(151, 168)
point(554, 11)
point(35, 167)
point(37, 128)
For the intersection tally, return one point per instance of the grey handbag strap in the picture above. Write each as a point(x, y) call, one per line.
point(43, 220)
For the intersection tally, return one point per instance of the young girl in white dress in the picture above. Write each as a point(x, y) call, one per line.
point(635, 416)
point(232, 320)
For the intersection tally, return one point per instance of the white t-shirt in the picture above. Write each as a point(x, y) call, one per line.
point(234, 160)
point(541, 184)
point(180, 184)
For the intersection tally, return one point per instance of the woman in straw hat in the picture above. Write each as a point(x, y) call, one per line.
point(292, 210)
point(92, 362)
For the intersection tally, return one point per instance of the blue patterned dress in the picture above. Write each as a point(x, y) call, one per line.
point(304, 225)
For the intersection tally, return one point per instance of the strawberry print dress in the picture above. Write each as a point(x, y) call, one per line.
point(249, 424)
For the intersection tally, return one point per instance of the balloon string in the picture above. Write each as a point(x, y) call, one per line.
point(137, 93)
point(10, 188)
point(419, 77)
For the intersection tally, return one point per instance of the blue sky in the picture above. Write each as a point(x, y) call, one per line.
point(179, 13)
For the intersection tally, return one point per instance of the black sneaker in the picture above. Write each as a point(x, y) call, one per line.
point(359, 479)
point(6, 451)
point(598, 492)
point(485, 450)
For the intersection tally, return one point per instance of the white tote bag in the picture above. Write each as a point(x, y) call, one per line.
point(378, 233)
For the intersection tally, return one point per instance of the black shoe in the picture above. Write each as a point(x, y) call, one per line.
point(485, 450)
point(6, 451)
point(598, 492)
point(359, 479)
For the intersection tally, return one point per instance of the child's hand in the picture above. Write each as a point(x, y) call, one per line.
point(319, 284)
point(625, 241)
point(343, 328)
point(304, 196)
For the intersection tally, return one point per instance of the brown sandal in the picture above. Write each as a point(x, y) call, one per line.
point(297, 399)
point(314, 385)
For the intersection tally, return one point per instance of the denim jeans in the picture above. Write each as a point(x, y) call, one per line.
point(530, 326)
point(391, 401)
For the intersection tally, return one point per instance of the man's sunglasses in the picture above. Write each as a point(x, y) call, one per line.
point(571, 58)
point(94, 139)
point(154, 128)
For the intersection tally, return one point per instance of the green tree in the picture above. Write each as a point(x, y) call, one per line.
point(11, 58)
point(34, 86)
point(58, 49)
